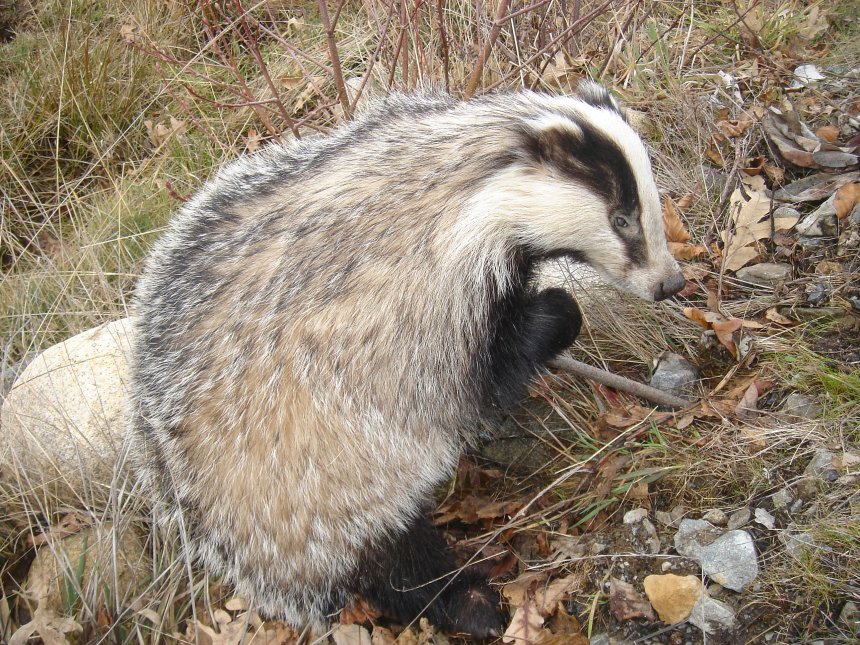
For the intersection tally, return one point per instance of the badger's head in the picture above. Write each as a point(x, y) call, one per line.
point(586, 190)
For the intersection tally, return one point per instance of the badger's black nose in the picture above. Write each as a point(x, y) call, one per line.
point(670, 286)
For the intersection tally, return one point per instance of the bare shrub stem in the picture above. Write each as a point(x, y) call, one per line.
point(617, 382)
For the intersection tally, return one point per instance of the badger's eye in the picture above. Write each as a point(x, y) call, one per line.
point(620, 222)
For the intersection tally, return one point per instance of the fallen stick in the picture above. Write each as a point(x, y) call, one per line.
point(617, 382)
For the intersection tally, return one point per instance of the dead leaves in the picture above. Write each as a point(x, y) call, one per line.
point(750, 222)
point(728, 331)
point(801, 147)
point(535, 598)
point(677, 236)
point(626, 603)
point(50, 627)
point(159, 133)
point(846, 199)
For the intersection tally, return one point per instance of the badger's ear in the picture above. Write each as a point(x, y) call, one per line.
point(553, 140)
point(598, 96)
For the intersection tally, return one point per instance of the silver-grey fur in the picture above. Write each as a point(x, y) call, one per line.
point(308, 329)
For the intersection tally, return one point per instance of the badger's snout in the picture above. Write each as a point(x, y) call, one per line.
point(670, 286)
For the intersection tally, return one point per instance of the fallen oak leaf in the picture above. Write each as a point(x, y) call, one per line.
point(828, 133)
point(725, 331)
point(748, 402)
point(846, 199)
point(677, 235)
point(672, 224)
point(774, 316)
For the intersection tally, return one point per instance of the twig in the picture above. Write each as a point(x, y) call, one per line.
point(334, 58)
point(618, 382)
point(443, 43)
point(488, 45)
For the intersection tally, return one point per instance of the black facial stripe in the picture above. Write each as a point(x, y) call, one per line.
point(592, 159)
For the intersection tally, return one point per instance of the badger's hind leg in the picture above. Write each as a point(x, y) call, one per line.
point(530, 330)
point(414, 574)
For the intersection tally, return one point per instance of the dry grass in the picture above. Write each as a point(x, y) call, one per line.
point(112, 112)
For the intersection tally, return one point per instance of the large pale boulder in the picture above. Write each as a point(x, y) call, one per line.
point(63, 419)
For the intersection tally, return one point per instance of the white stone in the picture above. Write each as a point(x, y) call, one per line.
point(63, 419)
point(713, 616)
point(729, 559)
point(635, 516)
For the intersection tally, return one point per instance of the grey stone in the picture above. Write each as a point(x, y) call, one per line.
point(798, 543)
point(674, 374)
point(786, 212)
point(808, 488)
point(635, 516)
point(739, 518)
point(817, 293)
point(729, 559)
point(713, 617)
point(716, 517)
point(821, 467)
point(764, 518)
point(801, 405)
point(821, 222)
point(849, 617)
point(781, 498)
point(765, 274)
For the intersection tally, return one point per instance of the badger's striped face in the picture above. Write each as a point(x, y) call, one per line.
point(588, 191)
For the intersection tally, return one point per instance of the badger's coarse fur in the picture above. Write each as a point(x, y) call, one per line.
point(327, 323)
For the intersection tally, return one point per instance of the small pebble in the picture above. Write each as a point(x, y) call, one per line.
point(716, 517)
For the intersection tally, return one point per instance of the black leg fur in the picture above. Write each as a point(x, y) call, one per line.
point(530, 330)
point(412, 575)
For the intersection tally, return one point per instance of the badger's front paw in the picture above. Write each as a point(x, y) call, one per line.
point(471, 607)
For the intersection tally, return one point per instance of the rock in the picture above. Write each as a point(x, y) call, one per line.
point(801, 405)
point(716, 517)
point(822, 467)
point(798, 543)
point(103, 563)
point(817, 293)
point(635, 516)
point(808, 488)
point(643, 535)
point(63, 420)
point(739, 518)
point(692, 534)
point(849, 617)
point(672, 518)
point(786, 212)
point(781, 499)
point(821, 222)
point(713, 617)
point(673, 597)
point(626, 603)
point(674, 374)
point(729, 559)
point(764, 518)
point(765, 274)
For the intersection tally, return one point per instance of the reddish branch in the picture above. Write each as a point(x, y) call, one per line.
point(328, 27)
point(488, 46)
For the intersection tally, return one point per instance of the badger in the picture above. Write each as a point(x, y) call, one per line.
point(327, 324)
